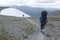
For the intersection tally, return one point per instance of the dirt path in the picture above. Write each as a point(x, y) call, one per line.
point(31, 21)
point(37, 35)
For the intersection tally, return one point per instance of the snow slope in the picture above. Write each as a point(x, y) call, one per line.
point(13, 12)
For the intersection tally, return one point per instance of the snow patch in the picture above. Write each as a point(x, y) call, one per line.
point(13, 12)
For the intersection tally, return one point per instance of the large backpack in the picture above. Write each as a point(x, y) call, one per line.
point(44, 16)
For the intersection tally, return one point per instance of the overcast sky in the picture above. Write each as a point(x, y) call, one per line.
point(33, 3)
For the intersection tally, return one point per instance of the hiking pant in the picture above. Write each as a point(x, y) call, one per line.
point(43, 25)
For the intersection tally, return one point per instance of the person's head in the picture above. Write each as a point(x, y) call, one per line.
point(44, 13)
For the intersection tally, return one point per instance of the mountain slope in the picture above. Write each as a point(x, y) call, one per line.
point(29, 10)
point(55, 13)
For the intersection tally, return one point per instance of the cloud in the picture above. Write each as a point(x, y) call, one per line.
point(38, 3)
point(45, 1)
point(7, 0)
point(32, 3)
point(57, 1)
point(28, 2)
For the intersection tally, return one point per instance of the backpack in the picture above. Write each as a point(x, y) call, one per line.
point(43, 16)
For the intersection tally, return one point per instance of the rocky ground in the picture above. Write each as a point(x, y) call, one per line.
point(13, 28)
point(52, 28)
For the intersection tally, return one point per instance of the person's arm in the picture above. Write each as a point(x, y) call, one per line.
point(46, 19)
point(39, 18)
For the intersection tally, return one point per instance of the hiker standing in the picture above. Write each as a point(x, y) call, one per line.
point(23, 15)
point(43, 20)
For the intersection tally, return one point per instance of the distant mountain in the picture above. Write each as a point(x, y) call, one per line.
point(51, 9)
point(56, 13)
point(1, 8)
point(29, 10)
point(33, 11)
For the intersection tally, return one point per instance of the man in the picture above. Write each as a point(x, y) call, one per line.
point(23, 15)
point(43, 20)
